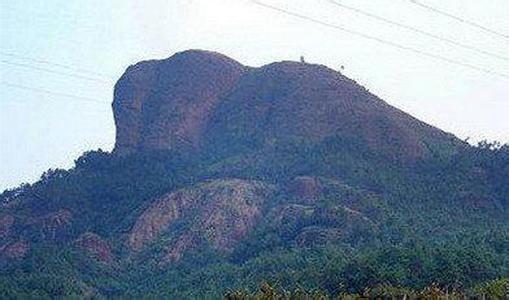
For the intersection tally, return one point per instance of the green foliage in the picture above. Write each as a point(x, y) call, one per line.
point(442, 221)
point(494, 289)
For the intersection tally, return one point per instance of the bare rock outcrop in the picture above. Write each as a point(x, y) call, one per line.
point(205, 101)
point(219, 212)
point(95, 246)
point(15, 250)
point(163, 104)
point(291, 101)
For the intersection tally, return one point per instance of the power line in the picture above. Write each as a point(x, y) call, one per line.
point(459, 19)
point(39, 90)
point(37, 68)
point(379, 40)
point(417, 30)
point(59, 65)
point(54, 72)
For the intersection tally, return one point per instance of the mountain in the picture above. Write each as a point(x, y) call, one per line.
point(203, 101)
point(224, 175)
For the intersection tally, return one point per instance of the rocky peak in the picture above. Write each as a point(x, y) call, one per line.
point(204, 101)
point(163, 104)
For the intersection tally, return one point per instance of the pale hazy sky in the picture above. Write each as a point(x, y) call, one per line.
point(39, 130)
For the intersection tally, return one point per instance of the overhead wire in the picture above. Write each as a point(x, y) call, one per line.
point(459, 19)
point(417, 30)
point(278, 9)
point(377, 39)
point(28, 66)
point(45, 91)
point(59, 65)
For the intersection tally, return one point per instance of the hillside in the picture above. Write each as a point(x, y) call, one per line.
point(225, 175)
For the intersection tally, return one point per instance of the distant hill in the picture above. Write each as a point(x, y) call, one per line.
point(225, 175)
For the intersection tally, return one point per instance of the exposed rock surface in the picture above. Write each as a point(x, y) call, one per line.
point(94, 245)
point(223, 212)
point(201, 100)
point(298, 101)
point(163, 104)
point(14, 250)
point(324, 210)
point(311, 225)
point(219, 212)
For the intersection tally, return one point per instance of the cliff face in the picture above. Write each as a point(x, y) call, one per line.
point(163, 104)
point(198, 100)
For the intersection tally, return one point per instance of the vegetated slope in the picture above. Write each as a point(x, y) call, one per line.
point(225, 175)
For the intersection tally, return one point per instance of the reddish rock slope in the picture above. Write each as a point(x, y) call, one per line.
point(218, 212)
point(199, 100)
point(162, 104)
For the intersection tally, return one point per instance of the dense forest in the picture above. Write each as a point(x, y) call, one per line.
point(455, 246)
